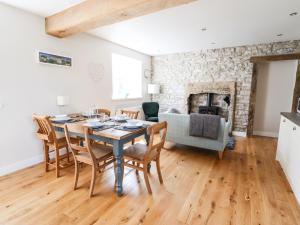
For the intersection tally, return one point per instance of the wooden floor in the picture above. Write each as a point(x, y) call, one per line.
point(246, 187)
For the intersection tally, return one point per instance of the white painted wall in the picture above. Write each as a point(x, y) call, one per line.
point(27, 87)
point(275, 87)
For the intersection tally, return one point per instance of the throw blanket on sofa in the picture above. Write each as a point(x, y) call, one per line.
point(203, 125)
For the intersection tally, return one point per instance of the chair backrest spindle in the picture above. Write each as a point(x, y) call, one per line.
point(130, 114)
point(159, 128)
point(45, 129)
point(105, 111)
point(76, 148)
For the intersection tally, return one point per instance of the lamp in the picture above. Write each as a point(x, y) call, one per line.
point(62, 101)
point(153, 89)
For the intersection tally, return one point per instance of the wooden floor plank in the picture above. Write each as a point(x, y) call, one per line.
point(247, 187)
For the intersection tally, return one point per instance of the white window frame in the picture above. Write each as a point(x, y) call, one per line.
point(115, 70)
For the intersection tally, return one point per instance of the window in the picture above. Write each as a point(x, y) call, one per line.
point(126, 77)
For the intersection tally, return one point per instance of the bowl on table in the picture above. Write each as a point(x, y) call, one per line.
point(133, 124)
point(93, 123)
point(88, 114)
point(120, 118)
point(61, 118)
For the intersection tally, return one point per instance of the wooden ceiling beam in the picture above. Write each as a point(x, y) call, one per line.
point(270, 58)
point(91, 14)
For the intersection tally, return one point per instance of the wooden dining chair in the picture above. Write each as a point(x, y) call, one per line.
point(92, 153)
point(105, 111)
point(130, 114)
point(52, 141)
point(138, 156)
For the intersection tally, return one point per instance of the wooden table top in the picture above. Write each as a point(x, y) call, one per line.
point(111, 133)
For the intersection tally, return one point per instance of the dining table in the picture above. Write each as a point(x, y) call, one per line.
point(116, 135)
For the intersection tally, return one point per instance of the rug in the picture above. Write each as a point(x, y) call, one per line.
point(231, 143)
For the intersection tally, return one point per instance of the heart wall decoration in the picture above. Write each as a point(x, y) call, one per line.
point(96, 71)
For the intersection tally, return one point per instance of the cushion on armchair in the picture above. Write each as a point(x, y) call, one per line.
point(152, 119)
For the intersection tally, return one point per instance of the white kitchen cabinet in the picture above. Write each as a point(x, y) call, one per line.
point(288, 153)
point(283, 140)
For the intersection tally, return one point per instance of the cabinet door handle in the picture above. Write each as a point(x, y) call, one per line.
point(294, 128)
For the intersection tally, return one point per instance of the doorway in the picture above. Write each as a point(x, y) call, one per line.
point(274, 94)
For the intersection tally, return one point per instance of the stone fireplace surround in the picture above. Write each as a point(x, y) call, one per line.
point(221, 88)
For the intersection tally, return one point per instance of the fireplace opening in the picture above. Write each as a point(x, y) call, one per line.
point(210, 103)
point(209, 108)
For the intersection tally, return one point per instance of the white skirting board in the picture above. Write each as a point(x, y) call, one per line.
point(25, 163)
point(266, 134)
point(21, 165)
point(239, 133)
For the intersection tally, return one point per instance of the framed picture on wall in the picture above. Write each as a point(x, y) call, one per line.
point(52, 59)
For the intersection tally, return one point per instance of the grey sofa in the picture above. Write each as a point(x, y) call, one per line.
point(178, 132)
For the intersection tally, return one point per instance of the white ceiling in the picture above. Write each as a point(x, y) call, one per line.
point(228, 23)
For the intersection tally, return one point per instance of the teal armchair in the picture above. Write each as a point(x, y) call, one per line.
point(151, 111)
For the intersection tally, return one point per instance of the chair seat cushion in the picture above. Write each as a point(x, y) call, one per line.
point(100, 151)
point(136, 151)
point(152, 119)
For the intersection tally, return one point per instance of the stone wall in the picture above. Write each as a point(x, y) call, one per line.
point(174, 72)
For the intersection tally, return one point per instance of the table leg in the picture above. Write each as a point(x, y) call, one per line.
point(117, 150)
point(147, 137)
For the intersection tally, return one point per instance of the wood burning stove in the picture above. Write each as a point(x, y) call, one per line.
point(209, 108)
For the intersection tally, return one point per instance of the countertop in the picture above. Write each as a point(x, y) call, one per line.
point(292, 116)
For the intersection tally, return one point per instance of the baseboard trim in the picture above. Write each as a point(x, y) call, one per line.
point(239, 133)
point(266, 134)
point(21, 165)
point(25, 163)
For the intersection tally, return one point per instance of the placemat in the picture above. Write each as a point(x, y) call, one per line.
point(129, 129)
point(105, 127)
point(63, 122)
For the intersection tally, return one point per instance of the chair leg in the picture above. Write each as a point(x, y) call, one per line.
point(76, 174)
point(132, 142)
point(57, 162)
point(68, 154)
point(158, 170)
point(103, 168)
point(46, 149)
point(94, 169)
point(137, 171)
point(147, 179)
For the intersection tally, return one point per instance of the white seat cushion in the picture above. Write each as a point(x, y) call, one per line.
point(100, 151)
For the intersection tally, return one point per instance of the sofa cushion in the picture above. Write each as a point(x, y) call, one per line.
point(173, 110)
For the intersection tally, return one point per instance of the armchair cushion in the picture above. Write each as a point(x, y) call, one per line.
point(152, 119)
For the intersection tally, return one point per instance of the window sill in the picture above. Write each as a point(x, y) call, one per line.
point(127, 99)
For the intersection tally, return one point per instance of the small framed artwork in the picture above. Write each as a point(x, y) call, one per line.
point(52, 59)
